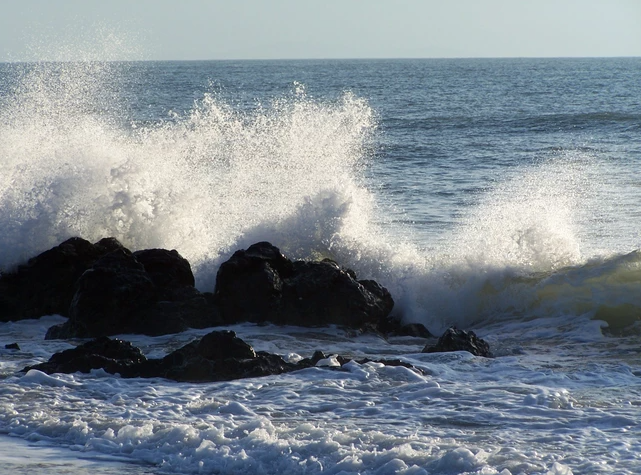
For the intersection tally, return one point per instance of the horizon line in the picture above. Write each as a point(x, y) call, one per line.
point(399, 58)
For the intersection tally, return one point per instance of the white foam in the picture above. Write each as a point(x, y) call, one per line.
point(465, 414)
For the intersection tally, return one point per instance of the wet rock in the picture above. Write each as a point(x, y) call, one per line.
point(261, 284)
point(45, 284)
point(110, 296)
point(218, 356)
point(120, 294)
point(114, 356)
point(321, 293)
point(12, 346)
point(169, 271)
point(249, 285)
point(459, 340)
point(394, 327)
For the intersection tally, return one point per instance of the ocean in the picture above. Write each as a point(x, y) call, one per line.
point(497, 195)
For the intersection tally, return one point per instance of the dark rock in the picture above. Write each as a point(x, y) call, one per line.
point(218, 356)
point(11, 346)
point(394, 327)
point(459, 340)
point(223, 344)
point(114, 356)
point(261, 284)
point(322, 293)
point(169, 271)
point(110, 295)
point(119, 294)
point(415, 329)
point(166, 317)
point(45, 284)
point(249, 284)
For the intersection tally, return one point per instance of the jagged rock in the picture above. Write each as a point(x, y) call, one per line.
point(12, 346)
point(45, 284)
point(114, 356)
point(459, 340)
point(119, 294)
point(218, 356)
point(110, 296)
point(321, 293)
point(105, 289)
point(261, 284)
point(249, 284)
point(169, 271)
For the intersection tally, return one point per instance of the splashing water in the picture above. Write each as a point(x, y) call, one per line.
point(201, 183)
point(217, 178)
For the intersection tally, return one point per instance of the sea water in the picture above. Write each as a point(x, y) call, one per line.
point(501, 196)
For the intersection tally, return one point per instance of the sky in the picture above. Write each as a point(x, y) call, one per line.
point(288, 29)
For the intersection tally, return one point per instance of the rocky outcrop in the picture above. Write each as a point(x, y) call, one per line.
point(118, 294)
point(218, 356)
point(45, 284)
point(460, 340)
point(105, 289)
point(261, 284)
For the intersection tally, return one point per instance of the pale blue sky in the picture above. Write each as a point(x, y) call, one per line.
point(274, 29)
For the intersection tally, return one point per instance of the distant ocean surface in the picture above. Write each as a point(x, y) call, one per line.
point(498, 195)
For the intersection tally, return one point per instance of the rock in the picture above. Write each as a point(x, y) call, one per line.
point(223, 344)
point(105, 289)
point(169, 271)
point(166, 317)
point(459, 340)
point(394, 327)
point(110, 296)
point(322, 293)
point(261, 284)
point(218, 356)
point(45, 284)
point(114, 356)
point(12, 346)
point(249, 284)
point(119, 294)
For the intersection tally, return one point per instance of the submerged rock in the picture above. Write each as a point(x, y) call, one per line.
point(460, 340)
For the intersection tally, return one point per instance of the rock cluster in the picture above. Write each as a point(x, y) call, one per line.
point(218, 356)
point(105, 289)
